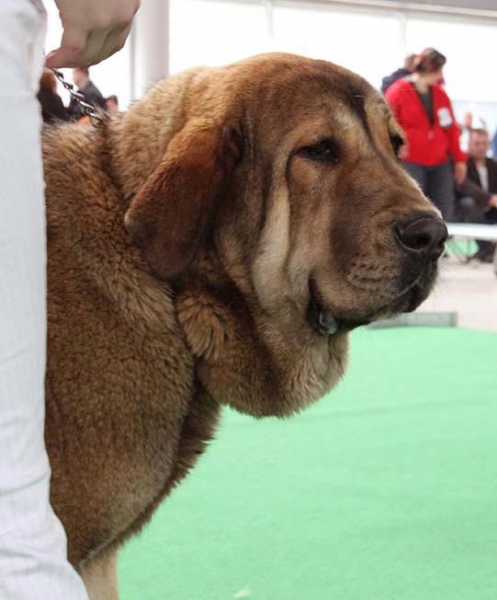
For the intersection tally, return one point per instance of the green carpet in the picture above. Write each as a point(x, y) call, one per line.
point(386, 489)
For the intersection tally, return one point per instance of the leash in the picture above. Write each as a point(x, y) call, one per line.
point(87, 109)
point(97, 118)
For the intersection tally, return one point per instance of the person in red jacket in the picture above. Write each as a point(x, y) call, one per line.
point(431, 155)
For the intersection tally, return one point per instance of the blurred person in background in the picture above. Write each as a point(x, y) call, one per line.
point(52, 107)
point(477, 195)
point(92, 95)
point(33, 555)
point(404, 71)
point(112, 104)
point(431, 154)
point(468, 123)
point(465, 127)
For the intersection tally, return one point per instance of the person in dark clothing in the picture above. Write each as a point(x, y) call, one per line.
point(52, 107)
point(477, 195)
point(92, 95)
point(404, 71)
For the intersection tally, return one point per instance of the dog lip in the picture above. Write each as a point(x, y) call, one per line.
point(416, 295)
point(326, 323)
point(408, 300)
point(323, 320)
point(320, 318)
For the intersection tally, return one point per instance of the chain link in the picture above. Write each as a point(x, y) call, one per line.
point(87, 109)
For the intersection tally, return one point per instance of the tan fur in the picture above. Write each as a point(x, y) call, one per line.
point(100, 578)
point(184, 238)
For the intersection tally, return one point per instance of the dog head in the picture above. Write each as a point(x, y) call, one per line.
point(271, 191)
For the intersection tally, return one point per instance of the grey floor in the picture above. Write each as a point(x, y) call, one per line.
point(470, 290)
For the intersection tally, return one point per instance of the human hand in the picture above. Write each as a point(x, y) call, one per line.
point(93, 31)
point(492, 203)
point(460, 172)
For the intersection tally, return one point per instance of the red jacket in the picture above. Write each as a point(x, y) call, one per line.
point(427, 144)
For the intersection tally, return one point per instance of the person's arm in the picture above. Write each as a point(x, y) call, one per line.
point(460, 171)
point(100, 101)
point(492, 175)
point(494, 145)
point(453, 134)
point(93, 96)
point(93, 31)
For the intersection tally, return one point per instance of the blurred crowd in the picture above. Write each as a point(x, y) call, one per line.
point(52, 107)
point(451, 161)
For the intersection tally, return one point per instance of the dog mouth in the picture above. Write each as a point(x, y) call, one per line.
point(327, 322)
point(323, 320)
point(416, 296)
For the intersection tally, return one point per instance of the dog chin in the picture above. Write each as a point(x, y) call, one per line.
point(418, 291)
point(408, 301)
point(323, 321)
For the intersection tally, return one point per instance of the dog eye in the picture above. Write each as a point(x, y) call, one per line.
point(397, 143)
point(326, 151)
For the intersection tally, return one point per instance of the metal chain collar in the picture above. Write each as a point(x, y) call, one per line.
point(87, 109)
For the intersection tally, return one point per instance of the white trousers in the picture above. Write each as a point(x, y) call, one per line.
point(33, 564)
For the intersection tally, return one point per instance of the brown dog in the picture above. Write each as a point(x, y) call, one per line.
point(213, 245)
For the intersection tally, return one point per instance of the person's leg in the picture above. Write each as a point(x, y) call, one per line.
point(419, 173)
point(33, 564)
point(440, 189)
point(470, 211)
point(491, 216)
point(473, 213)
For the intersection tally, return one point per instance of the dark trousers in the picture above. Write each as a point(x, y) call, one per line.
point(471, 212)
point(437, 183)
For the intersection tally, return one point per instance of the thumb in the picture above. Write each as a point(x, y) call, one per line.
point(72, 49)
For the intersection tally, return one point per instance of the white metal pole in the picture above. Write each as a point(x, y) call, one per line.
point(149, 46)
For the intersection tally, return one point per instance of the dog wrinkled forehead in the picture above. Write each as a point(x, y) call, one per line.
point(274, 76)
point(275, 92)
point(274, 81)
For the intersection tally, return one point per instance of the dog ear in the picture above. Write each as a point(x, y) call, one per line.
point(170, 215)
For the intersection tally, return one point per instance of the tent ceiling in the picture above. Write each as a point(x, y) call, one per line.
point(489, 5)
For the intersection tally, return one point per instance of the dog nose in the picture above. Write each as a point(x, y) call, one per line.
point(423, 235)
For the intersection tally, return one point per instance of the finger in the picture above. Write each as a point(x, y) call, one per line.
point(114, 42)
point(96, 41)
point(72, 47)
